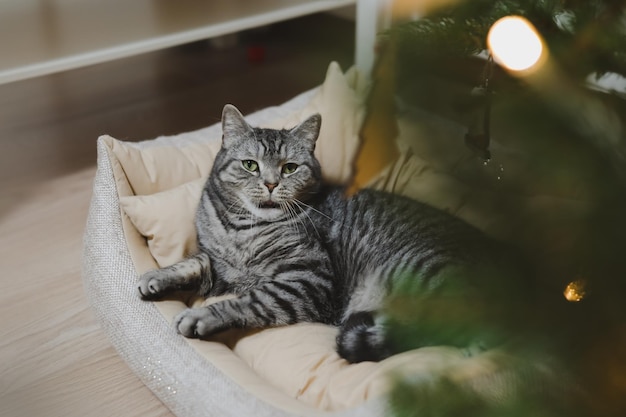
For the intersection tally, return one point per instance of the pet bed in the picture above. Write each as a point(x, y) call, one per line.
point(141, 217)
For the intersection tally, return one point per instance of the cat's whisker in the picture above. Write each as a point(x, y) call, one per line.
point(240, 212)
point(299, 202)
point(233, 205)
point(295, 209)
point(294, 219)
point(254, 219)
point(290, 219)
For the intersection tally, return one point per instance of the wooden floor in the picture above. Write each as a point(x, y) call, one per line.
point(54, 359)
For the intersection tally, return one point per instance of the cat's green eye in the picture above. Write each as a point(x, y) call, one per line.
point(250, 165)
point(289, 168)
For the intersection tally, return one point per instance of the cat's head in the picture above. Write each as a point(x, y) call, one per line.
point(268, 171)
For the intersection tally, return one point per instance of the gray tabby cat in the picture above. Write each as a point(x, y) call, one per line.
point(293, 249)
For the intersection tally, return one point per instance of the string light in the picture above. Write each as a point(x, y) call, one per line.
point(575, 291)
point(514, 43)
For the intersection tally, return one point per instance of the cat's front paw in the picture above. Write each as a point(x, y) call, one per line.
point(151, 285)
point(196, 323)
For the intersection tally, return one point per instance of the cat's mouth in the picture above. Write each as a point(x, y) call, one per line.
point(269, 204)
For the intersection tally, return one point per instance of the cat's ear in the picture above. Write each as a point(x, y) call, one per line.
point(234, 126)
point(309, 130)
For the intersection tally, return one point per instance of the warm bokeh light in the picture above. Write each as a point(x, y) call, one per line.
point(575, 291)
point(515, 43)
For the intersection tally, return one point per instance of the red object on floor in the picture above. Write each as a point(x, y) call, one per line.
point(256, 53)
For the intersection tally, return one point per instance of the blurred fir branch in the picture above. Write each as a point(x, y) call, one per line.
point(576, 141)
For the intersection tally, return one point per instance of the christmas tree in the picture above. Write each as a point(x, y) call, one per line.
point(522, 83)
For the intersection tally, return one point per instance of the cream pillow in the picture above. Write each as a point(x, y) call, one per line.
point(159, 168)
point(166, 220)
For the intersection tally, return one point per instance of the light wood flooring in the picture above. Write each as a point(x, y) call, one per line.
point(54, 359)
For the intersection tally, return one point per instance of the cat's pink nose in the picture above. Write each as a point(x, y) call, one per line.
point(270, 186)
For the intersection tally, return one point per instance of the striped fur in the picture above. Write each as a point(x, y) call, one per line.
point(294, 250)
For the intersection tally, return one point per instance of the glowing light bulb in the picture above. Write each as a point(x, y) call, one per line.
point(515, 43)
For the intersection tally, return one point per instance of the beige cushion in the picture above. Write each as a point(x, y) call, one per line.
point(161, 168)
point(165, 219)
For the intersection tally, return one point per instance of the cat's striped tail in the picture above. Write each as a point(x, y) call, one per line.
point(361, 339)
